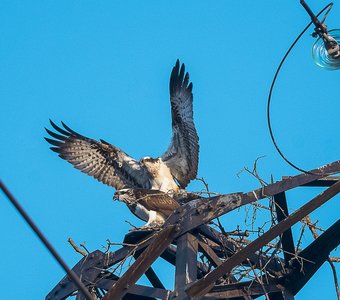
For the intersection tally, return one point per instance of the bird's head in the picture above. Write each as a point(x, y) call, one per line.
point(124, 195)
point(149, 161)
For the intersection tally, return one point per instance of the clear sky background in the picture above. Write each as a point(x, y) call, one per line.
point(103, 67)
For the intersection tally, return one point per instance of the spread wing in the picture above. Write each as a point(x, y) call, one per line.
point(182, 154)
point(156, 200)
point(101, 160)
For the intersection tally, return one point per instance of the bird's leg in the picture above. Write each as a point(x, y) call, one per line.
point(152, 218)
point(155, 221)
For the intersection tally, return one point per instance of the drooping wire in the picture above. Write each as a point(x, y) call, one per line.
point(329, 6)
point(44, 240)
point(272, 87)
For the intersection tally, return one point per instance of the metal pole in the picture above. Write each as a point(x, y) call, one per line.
point(44, 240)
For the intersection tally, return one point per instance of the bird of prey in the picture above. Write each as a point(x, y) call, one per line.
point(170, 172)
point(149, 205)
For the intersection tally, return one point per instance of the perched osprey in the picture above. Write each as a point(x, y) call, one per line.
point(149, 205)
point(110, 165)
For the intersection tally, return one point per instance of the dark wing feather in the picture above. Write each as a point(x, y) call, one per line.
point(101, 160)
point(182, 154)
point(156, 200)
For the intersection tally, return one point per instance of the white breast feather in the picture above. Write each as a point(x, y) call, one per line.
point(142, 212)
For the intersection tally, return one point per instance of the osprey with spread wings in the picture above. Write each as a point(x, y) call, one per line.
point(110, 165)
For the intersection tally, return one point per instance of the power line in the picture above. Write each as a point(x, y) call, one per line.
point(272, 87)
point(44, 240)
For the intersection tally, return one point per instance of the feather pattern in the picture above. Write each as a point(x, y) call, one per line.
point(101, 160)
point(150, 200)
point(115, 168)
point(156, 201)
point(182, 155)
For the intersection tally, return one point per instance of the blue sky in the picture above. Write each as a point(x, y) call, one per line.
point(103, 67)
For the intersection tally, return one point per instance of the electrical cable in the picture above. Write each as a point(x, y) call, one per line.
point(272, 87)
point(73, 276)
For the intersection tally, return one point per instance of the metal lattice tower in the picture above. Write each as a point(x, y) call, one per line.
point(186, 235)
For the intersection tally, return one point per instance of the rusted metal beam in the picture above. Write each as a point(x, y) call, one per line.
point(323, 182)
point(283, 295)
point(295, 181)
point(218, 243)
point(204, 285)
point(153, 278)
point(274, 266)
point(312, 257)
point(186, 261)
point(287, 241)
point(212, 256)
point(138, 290)
point(202, 211)
point(199, 212)
point(150, 274)
point(209, 253)
point(88, 268)
point(158, 244)
point(169, 255)
point(218, 238)
point(137, 297)
point(243, 289)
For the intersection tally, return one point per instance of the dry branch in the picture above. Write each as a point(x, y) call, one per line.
point(75, 247)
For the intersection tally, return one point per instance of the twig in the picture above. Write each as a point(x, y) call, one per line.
point(209, 194)
point(334, 259)
point(307, 220)
point(131, 224)
point(258, 279)
point(335, 277)
point(244, 274)
point(221, 227)
point(121, 244)
point(254, 172)
point(76, 248)
point(238, 232)
point(130, 253)
point(206, 186)
point(83, 246)
point(301, 235)
point(260, 205)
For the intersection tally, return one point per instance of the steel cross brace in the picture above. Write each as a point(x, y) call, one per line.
point(204, 285)
point(196, 213)
point(160, 242)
